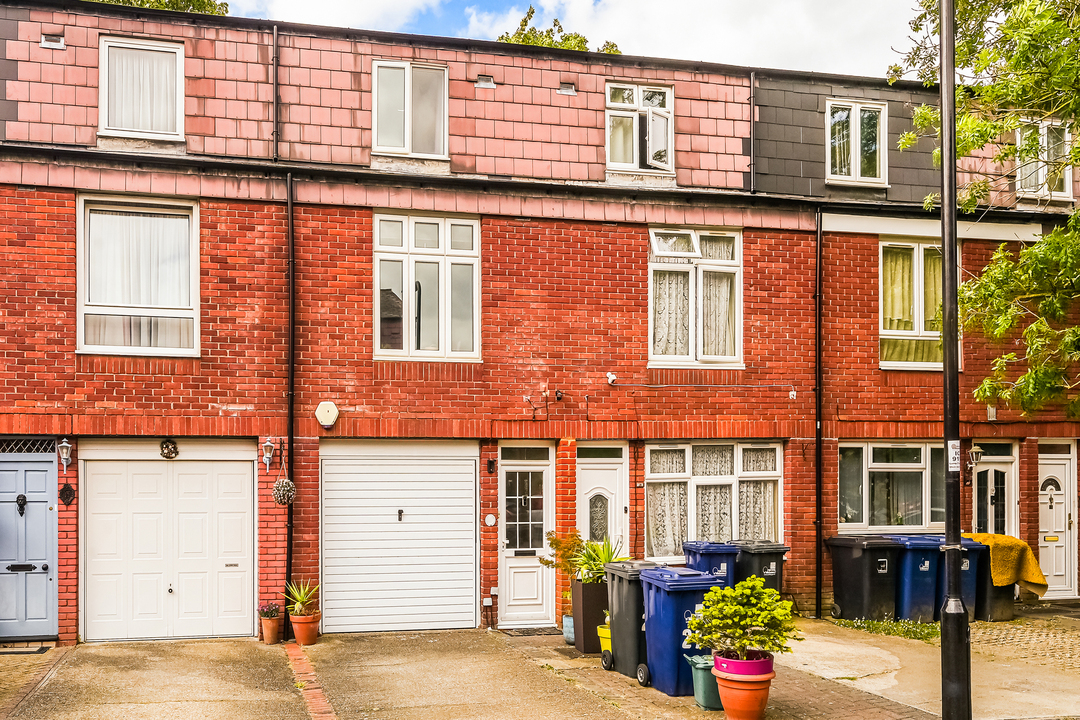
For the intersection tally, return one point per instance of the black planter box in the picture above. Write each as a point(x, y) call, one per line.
point(590, 602)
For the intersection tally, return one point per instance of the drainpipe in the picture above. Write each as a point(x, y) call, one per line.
point(291, 363)
point(277, 133)
point(818, 381)
point(753, 133)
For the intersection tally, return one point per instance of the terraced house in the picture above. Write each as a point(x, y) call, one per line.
point(461, 293)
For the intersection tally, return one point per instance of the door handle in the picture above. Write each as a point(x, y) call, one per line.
point(399, 514)
point(1070, 521)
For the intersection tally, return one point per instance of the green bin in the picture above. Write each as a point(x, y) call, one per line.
point(706, 692)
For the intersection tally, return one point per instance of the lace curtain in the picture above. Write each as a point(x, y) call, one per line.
point(714, 460)
point(667, 461)
point(671, 313)
point(717, 313)
point(759, 459)
point(666, 517)
point(757, 510)
point(142, 90)
point(714, 513)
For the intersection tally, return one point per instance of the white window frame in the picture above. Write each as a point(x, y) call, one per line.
point(407, 149)
point(408, 254)
point(187, 208)
point(918, 272)
point(855, 178)
point(104, 127)
point(868, 466)
point(663, 260)
point(693, 482)
point(1040, 168)
point(640, 113)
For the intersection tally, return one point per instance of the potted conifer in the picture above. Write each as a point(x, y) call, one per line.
point(743, 625)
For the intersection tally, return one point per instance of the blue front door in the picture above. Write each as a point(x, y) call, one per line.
point(28, 535)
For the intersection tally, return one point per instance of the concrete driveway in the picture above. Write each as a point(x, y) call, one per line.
point(445, 675)
point(173, 680)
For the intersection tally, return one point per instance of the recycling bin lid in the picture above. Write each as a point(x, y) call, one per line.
point(861, 541)
point(760, 546)
point(629, 569)
point(677, 578)
point(702, 546)
point(915, 542)
point(964, 542)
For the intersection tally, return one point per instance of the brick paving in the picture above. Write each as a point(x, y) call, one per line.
point(318, 705)
point(21, 673)
point(1046, 641)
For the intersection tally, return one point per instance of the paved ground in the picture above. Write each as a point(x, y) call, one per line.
point(231, 679)
point(20, 671)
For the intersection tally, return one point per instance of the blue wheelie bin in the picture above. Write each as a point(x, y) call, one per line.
point(672, 595)
point(969, 575)
point(916, 577)
point(714, 558)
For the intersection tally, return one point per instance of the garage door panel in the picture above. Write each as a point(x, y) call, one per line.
point(381, 572)
point(147, 536)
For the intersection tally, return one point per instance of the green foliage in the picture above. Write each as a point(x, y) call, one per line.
point(927, 632)
point(208, 7)
point(1018, 62)
point(302, 597)
point(746, 617)
point(593, 556)
point(565, 548)
point(554, 37)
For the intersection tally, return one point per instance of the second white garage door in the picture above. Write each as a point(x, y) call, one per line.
point(399, 549)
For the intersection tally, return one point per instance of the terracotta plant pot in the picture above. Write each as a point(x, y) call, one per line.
point(271, 630)
point(306, 628)
point(744, 684)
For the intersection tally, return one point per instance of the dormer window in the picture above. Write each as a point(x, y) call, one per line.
point(640, 128)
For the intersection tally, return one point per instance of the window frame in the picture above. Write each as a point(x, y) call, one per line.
point(1040, 170)
point(869, 466)
point(108, 42)
point(640, 113)
point(856, 178)
point(187, 208)
point(697, 266)
point(406, 150)
point(408, 254)
point(695, 481)
point(918, 294)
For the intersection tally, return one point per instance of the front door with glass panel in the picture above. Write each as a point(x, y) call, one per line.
point(526, 588)
point(602, 508)
point(994, 510)
point(1057, 544)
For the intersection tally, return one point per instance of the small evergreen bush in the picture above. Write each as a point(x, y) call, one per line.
point(749, 616)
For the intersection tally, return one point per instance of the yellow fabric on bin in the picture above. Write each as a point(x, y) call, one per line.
point(1011, 561)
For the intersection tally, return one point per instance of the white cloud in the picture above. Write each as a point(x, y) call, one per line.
point(490, 25)
point(388, 15)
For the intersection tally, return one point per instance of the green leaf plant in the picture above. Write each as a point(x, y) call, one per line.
point(593, 556)
point(736, 620)
point(553, 37)
point(302, 597)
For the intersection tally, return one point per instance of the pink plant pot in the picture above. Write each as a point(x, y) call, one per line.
point(758, 663)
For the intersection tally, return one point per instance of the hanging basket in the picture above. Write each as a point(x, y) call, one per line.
point(284, 491)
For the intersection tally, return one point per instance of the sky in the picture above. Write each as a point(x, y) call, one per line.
point(849, 37)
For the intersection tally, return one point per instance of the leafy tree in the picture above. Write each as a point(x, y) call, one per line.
point(209, 7)
point(552, 37)
point(1018, 63)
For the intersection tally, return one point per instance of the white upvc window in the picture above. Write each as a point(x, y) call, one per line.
point(711, 490)
point(640, 128)
point(910, 300)
point(885, 485)
point(409, 109)
point(856, 150)
point(141, 89)
point(1036, 177)
point(695, 297)
point(427, 288)
point(138, 276)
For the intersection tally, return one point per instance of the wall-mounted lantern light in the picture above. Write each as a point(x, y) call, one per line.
point(64, 448)
point(268, 453)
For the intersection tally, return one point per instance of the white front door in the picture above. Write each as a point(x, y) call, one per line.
point(526, 588)
point(995, 509)
point(602, 507)
point(1057, 543)
point(169, 549)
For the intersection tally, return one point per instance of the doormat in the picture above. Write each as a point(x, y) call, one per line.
point(25, 651)
point(524, 632)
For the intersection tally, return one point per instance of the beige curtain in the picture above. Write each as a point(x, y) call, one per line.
point(671, 313)
point(142, 90)
point(757, 510)
point(897, 281)
point(718, 313)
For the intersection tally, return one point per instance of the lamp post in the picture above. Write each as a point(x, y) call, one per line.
point(955, 632)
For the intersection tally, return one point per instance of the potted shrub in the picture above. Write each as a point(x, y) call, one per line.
point(589, 590)
point(564, 548)
point(270, 619)
point(743, 626)
point(303, 607)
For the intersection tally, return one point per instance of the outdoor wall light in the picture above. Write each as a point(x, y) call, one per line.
point(64, 449)
point(975, 454)
point(327, 414)
point(268, 453)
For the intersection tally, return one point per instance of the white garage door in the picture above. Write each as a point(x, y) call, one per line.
point(399, 536)
point(168, 548)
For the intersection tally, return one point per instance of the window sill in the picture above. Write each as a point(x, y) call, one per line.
point(877, 184)
point(1043, 199)
point(669, 365)
point(637, 178)
point(922, 367)
point(406, 358)
point(934, 529)
point(140, 352)
point(141, 143)
point(411, 164)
